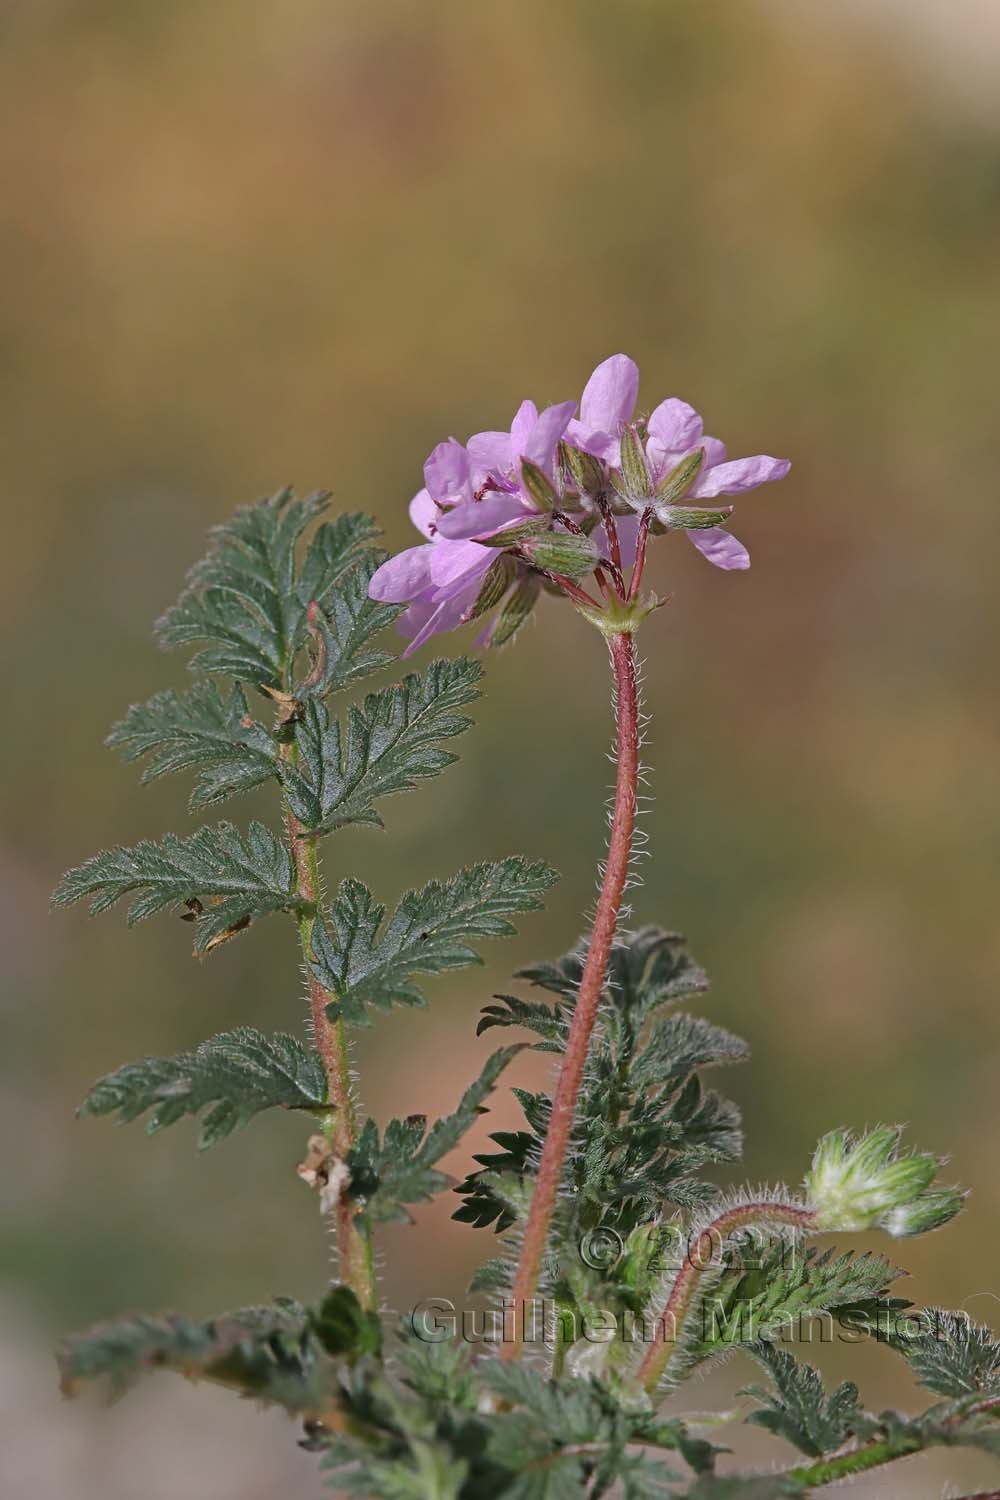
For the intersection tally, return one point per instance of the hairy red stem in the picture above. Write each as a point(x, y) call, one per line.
point(550, 1172)
point(705, 1252)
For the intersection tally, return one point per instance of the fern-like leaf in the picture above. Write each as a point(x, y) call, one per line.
point(282, 1353)
point(243, 878)
point(391, 742)
point(365, 964)
point(245, 599)
point(402, 1169)
point(200, 728)
point(343, 631)
point(233, 1076)
point(950, 1354)
point(771, 1289)
point(797, 1407)
point(645, 1124)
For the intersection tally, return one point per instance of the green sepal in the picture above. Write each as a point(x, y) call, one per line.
point(514, 613)
point(635, 485)
point(562, 552)
point(680, 478)
point(584, 469)
point(692, 517)
point(539, 486)
point(501, 574)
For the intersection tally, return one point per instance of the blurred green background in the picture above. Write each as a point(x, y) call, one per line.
point(247, 243)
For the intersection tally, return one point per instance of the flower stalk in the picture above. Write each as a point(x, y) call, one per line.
point(621, 646)
point(702, 1256)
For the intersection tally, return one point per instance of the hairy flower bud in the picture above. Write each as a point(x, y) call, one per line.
point(675, 485)
point(514, 613)
point(538, 485)
point(690, 517)
point(858, 1184)
point(632, 479)
point(586, 471)
point(561, 552)
point(930, 1211)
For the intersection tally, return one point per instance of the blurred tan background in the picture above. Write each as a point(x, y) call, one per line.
point(248, 242)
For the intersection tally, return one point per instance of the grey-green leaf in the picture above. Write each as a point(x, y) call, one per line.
point(244, 598)
point(233, 1076)
point(391, 741)
point(400, 1171)
point(199, 728)
point(239, 877)
point(365, 964)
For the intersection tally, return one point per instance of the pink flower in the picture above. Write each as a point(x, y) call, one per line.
point(473, 491)
point(476, 491)
point(674, 432)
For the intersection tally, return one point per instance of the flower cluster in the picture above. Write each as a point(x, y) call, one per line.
point(859, 1184)
point(508, 513)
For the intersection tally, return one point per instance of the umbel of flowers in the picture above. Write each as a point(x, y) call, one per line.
point(510, 513)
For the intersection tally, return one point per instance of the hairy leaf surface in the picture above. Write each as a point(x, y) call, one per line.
point(233, 1076)
point(245, 599)
point(391, 741)
point(369, 963)
point(198, 729)
point(401, 1170)
point(243, 878)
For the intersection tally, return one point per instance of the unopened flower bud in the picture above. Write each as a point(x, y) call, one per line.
point(538, 485)
point(632, 480)
point(561, 552)
point(691, 517)
point(586, 471)
point(855, 1185)
point(675, 485)
point(514, 613)
point(930, 1211)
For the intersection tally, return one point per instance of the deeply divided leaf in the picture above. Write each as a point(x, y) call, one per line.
point(645, 1123)
point(251, 1350)
point(245, 600)
point(233, 1077)
point(797, 1408)
point(225, 879)
point(368, 962)
point(401, 1169)
point(343, 631)
point(198, 729)
point(390, 742)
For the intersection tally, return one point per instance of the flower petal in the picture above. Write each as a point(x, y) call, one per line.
point(542, 441)
point(714, 450)
point(720, 548)
point(447, 473)
point(479, 517)
point(446, 616)
point(675, 427)
point(454, 562)
point(610, 394)
point(524, 420)
point(491, 453)
point(628, 531)
point(403, 576)
point(739, 475)
point(424, 513)
point(601, 444)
